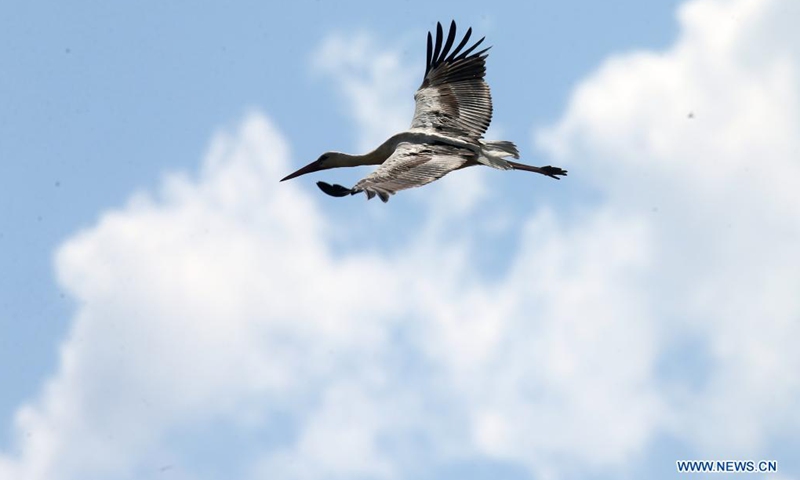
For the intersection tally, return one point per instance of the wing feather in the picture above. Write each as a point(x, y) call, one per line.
point(459, 47)
point(438, 46)
point(454, 99)
point(412, 165)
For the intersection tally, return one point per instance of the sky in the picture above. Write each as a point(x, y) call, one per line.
point(169, 310)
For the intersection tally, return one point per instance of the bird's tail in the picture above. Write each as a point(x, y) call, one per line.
point(501, 148)
point(493, 153)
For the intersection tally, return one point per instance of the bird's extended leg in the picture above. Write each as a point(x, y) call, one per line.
point(335, 190)
point(552, 172)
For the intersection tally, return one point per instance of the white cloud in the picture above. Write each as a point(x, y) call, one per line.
point(378, 88)
point(705, 135)
point(212, 300)
point(220, 299)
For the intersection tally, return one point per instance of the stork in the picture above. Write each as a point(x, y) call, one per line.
point(453, 110)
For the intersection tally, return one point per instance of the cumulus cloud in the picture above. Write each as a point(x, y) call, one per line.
point(218, 300)
point(218, 307)
point(169, 329)
point(703, 135)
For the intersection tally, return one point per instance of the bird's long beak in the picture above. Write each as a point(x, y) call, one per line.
point(311, 167)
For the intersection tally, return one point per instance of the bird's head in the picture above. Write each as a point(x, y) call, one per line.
point(325, 161)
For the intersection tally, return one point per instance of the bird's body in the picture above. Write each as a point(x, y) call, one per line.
point(453, 111)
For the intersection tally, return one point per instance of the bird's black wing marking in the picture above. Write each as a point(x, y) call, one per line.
point(454, 99)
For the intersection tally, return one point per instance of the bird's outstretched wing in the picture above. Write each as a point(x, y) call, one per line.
point(411, 165)
point(453, 99)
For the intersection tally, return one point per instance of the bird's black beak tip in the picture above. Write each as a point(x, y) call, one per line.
point(310, 168)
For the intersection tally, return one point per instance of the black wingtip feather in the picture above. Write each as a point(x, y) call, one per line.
point(428, 64)
point(437, 54)
point(460, 45)
point(438, 47)
point(451, 36)
point(470, 49)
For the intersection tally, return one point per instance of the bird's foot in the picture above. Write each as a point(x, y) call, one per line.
point(553, 172)
point(334, 190)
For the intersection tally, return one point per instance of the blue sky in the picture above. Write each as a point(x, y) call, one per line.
point(167, 303)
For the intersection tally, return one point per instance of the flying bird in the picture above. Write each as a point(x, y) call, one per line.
point(453, 111)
